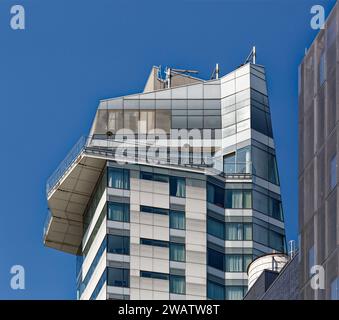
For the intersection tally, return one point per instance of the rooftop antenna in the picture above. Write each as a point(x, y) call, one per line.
point(252, 56)
point(170, 75)
point(215, 73)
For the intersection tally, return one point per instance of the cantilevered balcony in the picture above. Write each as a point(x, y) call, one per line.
point(70, 187)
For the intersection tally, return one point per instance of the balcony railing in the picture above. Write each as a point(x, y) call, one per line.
point(107, 148)
point(66, 164)
point(238, 168)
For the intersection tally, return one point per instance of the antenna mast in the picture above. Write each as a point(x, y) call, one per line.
point(252, 56)
point(215, 73)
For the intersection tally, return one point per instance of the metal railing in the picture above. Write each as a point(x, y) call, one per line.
point(238, 168)
point(65, 165)
point(107, 148)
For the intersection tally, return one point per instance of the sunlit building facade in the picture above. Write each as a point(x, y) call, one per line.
point(156, 213)
point(318, 162)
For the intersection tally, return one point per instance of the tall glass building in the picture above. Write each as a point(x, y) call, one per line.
point(173, 193)
point(318, 161)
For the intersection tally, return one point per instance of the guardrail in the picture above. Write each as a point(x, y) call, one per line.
point(65, 165)
point(107, 148)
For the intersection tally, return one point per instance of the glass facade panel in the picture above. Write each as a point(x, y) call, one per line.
point(260, 234)
point(275, 208)
point(234, 263)
point(118, 211)
point(177, 252)
point(247, 231)
point(117, 277)
point(234, 292)
point(177, 220)
point(215, 228)
point(264, 165)
point(118, 178)
point(153, 242)
point(215, 195)
point(277, 241)
point(115, 120)
point(131, 118)
point(177, 187)
point(177, 284)
point(117, 244)
point(215, 291)
point(147, 120)
point(163, 120)
point(234, 231)
point(215, 259)
point(238, 199)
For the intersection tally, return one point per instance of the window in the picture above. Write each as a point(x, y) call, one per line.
point(177, 187)
point(238, 162)
point(177, 252)
point(261, 121)
point(277, 241)
point(264, 165)
point(118, 211)
point(131, 119)
point(154, 210)
point(177, 220)
point(234, 292)
point(238, 199)
point(215, 195)
point(152, 242)
point(229, 163)
point(335, 289)
point(215, 291)
point(177, 284)
point(234, 263)
point(247, 231)
point(234, 231)
point(273, 176)
point(260, 234)
point(117, 244)
point(154, 275)
point(248, 258)
point(163, 120)
point(115, 120)
point(118, 178)
point(333, 174)
point(275, 209)
point(153, 176)
point(147, 120)
point(215, 259)
point(117, 277)
point(146, 175)
point(215, 228)
point(268, 205)
point(237, 262)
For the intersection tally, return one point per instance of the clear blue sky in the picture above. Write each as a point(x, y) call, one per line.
point(74, 53)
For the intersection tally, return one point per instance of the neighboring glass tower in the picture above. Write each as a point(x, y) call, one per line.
point(185, 213)
point(318, 161)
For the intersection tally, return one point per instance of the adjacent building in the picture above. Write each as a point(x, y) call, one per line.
point(318, 161)
point(152, 212)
